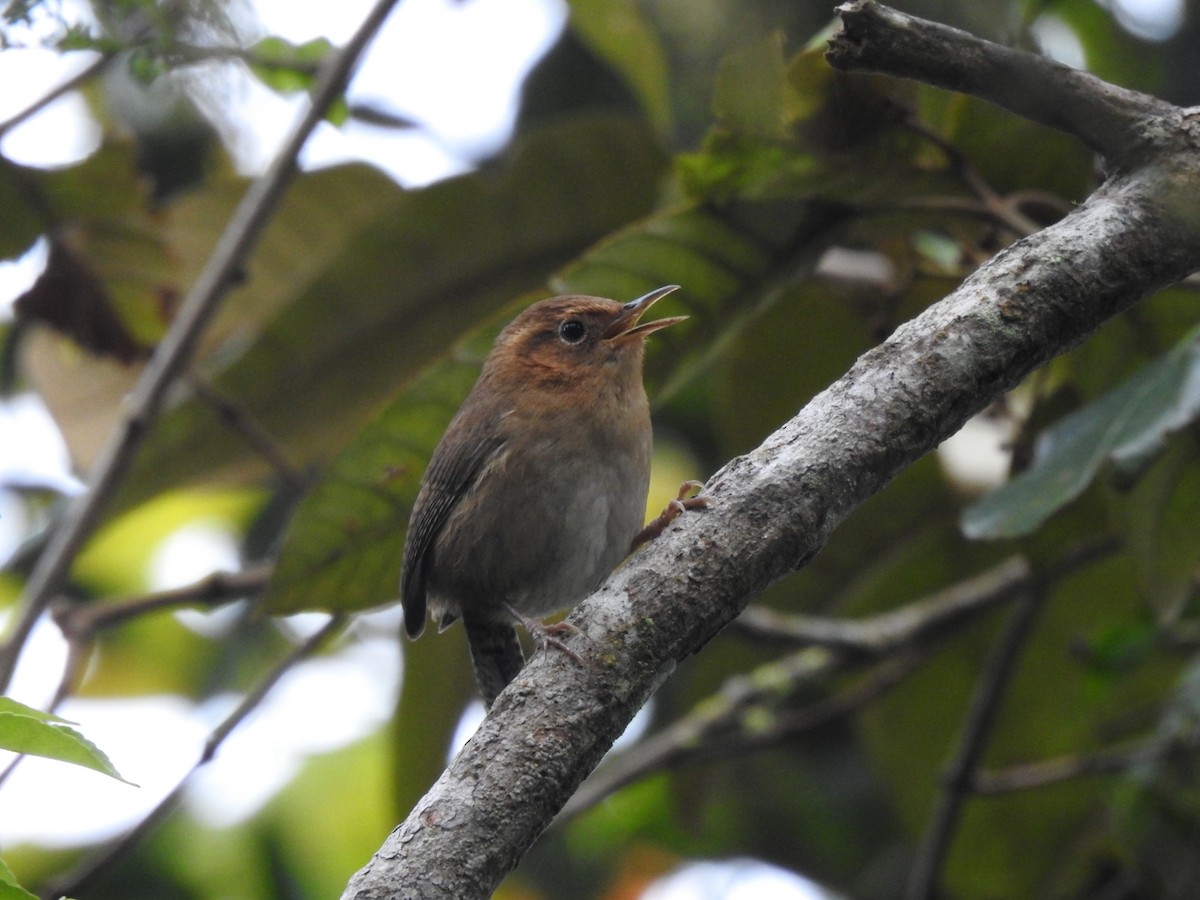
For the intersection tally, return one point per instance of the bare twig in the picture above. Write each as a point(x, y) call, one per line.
point(248, 427)
point(1109, 119)
point(981, 719)
point(77, 80)
point(81, 622)
point(70, 883)
point(722, 725)
point(172, 355)
point(916, 622)
point(716, 726)
point(1003, 210)
point(1115, 761)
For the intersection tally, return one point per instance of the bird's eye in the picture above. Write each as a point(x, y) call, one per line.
point(572, 331)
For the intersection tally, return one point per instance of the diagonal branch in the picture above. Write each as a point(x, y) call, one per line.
point(773, 509)
point(1111, 120)
point(997, 673)
point(249, 221)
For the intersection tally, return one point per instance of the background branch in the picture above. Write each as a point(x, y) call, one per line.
point(981, 720)
point(77, 80)
point(919, 621)
point(1109, 119)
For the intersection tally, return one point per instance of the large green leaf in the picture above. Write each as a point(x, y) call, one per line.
point(27, 730)
point(618, 32)
point(1126, 426)
point(9, 888)
point(371, 283)
point(104, 188)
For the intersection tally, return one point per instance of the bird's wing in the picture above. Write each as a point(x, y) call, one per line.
point(456, 464)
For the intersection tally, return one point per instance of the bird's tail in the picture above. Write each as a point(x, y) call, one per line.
point(495, 654)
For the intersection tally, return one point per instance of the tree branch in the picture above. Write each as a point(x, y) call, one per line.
point(1149, 751)
point(1115, 122)
point(726, 724)
point(170, 358)
point(917, 622)
point(774, 508)
point(981, 719)
point(80, 622)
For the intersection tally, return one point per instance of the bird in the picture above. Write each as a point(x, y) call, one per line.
point(537, 489)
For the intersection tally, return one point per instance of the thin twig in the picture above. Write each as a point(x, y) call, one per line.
point(93, 68)
point(172, 355)
point(722, 725)
point(981, 719)
point(81, 622)
point(720, 713)
point(248, 427)
point(1004, 211)
point(716, 725)
point(71, 883)
point(1043, 773)
point(880, 635)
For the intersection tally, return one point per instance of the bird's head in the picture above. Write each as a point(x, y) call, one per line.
point(576, 338)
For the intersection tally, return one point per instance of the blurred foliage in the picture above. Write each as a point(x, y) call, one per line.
point(806, 215)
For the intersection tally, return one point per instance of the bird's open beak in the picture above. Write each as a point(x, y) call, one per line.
point(626, 326)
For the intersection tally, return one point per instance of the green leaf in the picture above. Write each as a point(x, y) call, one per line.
point(750, 88)
point(9, 888)
point(618, 32)
point(343, 548)
point(8, 705)
point(795, 128)
point(1127, 427)
point(287, 67)
point(26, 730)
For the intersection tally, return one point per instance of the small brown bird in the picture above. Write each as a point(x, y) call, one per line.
point(538, 487)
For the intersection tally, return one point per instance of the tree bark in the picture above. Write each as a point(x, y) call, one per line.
point(774, 508)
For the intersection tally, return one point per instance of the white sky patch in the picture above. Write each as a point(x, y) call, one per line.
point(32, 451)
point(152, 741)
point(16, 275)
point(454, 68)
point(1154, 20)
point(61, 134)
point(1058, 40)
point(323, 704)
point(743, 879)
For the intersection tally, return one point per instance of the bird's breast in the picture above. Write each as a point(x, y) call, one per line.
point(549, 517)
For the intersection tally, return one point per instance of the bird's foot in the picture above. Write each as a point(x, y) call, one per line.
point(674, 510)
point(548, 635)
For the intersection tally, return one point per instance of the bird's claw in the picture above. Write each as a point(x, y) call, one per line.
point(548, 635)
point(673, 511)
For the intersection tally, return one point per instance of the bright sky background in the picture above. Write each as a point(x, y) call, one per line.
point(455, 68)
